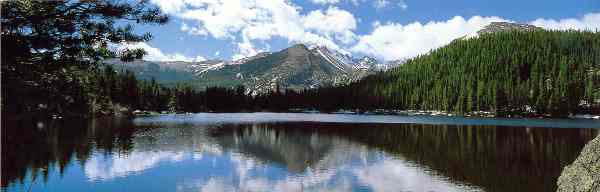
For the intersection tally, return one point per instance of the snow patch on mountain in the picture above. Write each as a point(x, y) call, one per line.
point(343, 61)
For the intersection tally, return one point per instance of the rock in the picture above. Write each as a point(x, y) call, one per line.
point(584, 173)
point(495, 27)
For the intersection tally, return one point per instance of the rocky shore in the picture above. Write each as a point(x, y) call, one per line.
point(584, 173)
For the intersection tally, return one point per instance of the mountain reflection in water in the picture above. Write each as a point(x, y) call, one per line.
point(109, 155)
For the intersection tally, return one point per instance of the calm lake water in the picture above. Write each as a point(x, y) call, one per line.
point(290, 152)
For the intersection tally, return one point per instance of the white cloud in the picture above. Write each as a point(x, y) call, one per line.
point(394, 174)
point(590, 21)
point(394, 41)
point(246, 49)
point(402, 4)
point(334, 21)
point(155, 54)
point(193, 30)
point(249, 25)
point(323, 2)
point(100, 167)
point(250, 22)
point(169, 6)
point(379, 4)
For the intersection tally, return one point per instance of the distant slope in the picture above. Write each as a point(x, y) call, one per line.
point(168, 73)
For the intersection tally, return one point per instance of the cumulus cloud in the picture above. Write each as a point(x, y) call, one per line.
point(246, 49)
point(249, 22)
point(590, 21)
point(249, 25)
point(333, 22)
point(380, 4)
point(155, 54)
point(391, 41)
point(394, 41)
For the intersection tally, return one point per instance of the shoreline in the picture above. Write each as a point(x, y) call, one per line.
point(416, 113)
point(478, 114)
point(268, 117)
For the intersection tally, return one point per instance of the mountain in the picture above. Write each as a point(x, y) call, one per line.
point(506, 72)
point(495, 27)
point(164, 72)
point(297, 67)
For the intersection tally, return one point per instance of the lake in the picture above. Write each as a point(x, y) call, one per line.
point(290, 152)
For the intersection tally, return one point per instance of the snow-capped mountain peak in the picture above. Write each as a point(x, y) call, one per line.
point(246, 59)
point(344, 61)
point(366, 62)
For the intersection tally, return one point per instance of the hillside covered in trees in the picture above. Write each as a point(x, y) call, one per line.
point(541, 71)
point(522, 73)
point(54, 65)
point(514, 72)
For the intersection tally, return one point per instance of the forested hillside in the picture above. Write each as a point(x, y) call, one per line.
point(534, 72)
point(515, 73)
point(54, 65)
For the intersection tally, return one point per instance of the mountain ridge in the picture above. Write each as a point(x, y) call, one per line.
point(266, 71)
point(296, 67)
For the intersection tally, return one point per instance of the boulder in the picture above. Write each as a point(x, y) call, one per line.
point(584, 173)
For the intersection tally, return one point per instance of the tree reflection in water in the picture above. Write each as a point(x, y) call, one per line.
point(43, 146)
point(492, 157)
point(496, 158)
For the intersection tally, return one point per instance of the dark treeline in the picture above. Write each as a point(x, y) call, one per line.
point(53, 50)
point(540, 72)
point(510, 73)
point(545, 72)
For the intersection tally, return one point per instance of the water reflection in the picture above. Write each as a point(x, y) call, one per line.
point(108, 155)
point(46, 146)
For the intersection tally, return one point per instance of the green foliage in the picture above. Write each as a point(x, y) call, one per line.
point(50, 47)
point(510, 73)
point(51, 51)
point(543, 72)
point(520, 73)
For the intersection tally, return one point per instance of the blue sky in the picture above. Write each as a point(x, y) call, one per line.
point(385, 29)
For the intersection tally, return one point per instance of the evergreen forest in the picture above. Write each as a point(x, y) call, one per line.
point(54, 65)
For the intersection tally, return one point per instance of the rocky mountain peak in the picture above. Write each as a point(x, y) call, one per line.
point(298, 47)
point(507, 26)
point(246, 59)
